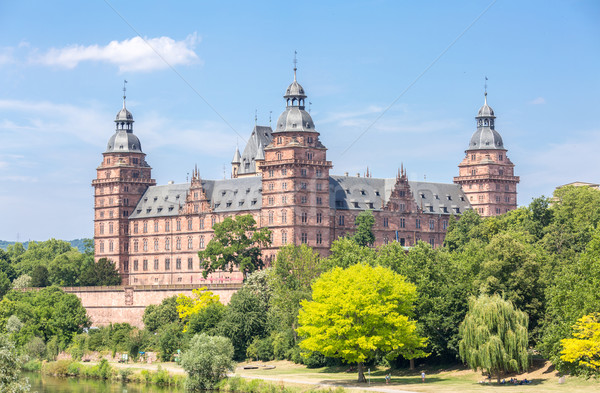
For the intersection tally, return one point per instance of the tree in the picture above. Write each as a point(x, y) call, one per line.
point(157, 315)
point(236, 243)
point(244, 319)
point(346, 252)
point(4, 284)
point(170, 339)
point(459, 230)
point(188, 306)
point(39, 277)
point(357, 312)
point(207, 362)
point(10, 368)
point(363, 235)
point(494, 336)
point(207, 319)
point(103, 272)
point(583, 348)
point(21, 282)
point(65, 269)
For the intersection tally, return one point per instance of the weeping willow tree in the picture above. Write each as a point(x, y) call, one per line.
point(494, 336)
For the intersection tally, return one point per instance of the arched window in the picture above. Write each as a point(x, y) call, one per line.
point(201, 242)
point(284, 217)
point(178, 243)
point(283, 237)
point(135, 246)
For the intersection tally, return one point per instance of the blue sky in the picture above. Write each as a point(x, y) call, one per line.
point(62, 66)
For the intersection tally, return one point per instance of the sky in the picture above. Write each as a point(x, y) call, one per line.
point(389, 82)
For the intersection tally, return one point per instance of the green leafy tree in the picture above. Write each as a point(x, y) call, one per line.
point(244, 319)
point(207, 320)
point(291, 277)
point(4, 284)
point(363, 234)
point(358, 312)
point(65, 269)
point(170, 339)
point(190, 305)
point(40, 254)
point(494, 336)
point(207, 361)
point(103, 272)
point(459, 230)
point(236, 243)
point(345, 252)
point(157, 315)
point(6, 265)
point(21, 282)
point(10, 368)
point(39, 277)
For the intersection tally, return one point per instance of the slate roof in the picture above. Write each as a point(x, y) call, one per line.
point(361, 193)
point(261, 135)
point(345, 193)
point(241, 194)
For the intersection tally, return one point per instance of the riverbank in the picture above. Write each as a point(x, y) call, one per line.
point(438, 379)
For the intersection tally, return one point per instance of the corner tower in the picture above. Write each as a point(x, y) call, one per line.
point(295, 178)
point(121, 179)
point(486, 174)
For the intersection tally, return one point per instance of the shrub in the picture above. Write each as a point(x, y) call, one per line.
point(59, 368)
point(34, 365)
point(207, 361)
point(36, 348)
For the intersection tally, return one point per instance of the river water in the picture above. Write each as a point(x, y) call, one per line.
point(46, 384)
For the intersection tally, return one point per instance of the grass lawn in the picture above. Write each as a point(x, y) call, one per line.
point(455, 379)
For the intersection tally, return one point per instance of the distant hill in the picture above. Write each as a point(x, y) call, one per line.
point(77, 243)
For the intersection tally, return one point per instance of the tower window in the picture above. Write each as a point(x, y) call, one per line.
point(319, 218)
point(319, 238)
point(501, 157)
point(304, 237)
point(418, 223)
point(304, 217)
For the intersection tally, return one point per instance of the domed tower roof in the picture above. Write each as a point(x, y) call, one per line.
point(294, 118)
point(486, 137)
point(123, 140)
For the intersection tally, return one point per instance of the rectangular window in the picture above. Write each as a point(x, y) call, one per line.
point(156, 264)
point(402, 223)
point(319, 201)
point(190, 243)
point(167, 264)
point(303, 199)
point(283, 200)
point(201, 242)
point(304, 237)
point(319, 186)
point(167, 225)
point(284, 172)
point(270, 218)
point(304, 217)
point(284, 185)
point(145, 265)
point(190, 263)
point(135, 265)
point(178, 264)
point(284, 217)
point(385, 222)
point(167, 244)
point(155, 244)
point(432, 224)
point(319, 173)
point(178, 243)
point(319, 218)
point(418, 223)
point(445, 224)
point(135, 227)
point(271, 186)
point(432, 242)
point(341, 221)
point(284, 238)
point(110, 227)
point(319, 238)
point(270, 200)
point(201, 223)
point(303, 172)
point(303, 186)
point(135, 246)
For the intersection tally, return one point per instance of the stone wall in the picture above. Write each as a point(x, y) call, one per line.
point(121, 304)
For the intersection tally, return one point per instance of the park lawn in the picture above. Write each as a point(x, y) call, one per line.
point(455, 379)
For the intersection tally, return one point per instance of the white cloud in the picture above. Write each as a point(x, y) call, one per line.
point(538, 101)
point(6, 56)
point(135, 54)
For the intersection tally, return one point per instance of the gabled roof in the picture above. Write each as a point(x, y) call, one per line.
point(261, 136)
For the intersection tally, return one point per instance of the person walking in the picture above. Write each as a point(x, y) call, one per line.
point(387, 378)
point(423, 376)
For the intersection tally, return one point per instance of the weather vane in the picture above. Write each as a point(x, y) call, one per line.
point(485, 85)
point(295, 64)
point(124, 92)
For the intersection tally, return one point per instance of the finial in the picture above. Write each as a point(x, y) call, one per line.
point(256, 117)
point(124, 92)
point(270, 113)
point(309, 104)
point(485, 89)
point(295, 64)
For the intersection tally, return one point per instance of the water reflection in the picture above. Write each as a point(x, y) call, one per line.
point(46, 384)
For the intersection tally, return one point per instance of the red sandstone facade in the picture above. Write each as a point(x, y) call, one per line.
point(154, 233)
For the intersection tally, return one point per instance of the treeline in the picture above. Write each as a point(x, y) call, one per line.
point(53, 262)
point(79, 244)
point(544, 259)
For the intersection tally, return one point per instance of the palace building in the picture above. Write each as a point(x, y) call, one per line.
point(154, 232)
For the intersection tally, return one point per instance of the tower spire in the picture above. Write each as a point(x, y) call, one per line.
point(295, 64)
point(485, 90)
point(124, 92)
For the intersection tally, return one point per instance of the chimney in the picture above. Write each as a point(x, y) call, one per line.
point(357, 174)
point(346, 174)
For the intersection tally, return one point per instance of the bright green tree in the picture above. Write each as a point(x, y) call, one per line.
point(236, 244)
point(583, 348)
point(188, 306)
point(207, 361)
point(358, 312)
point(494, 336)
point(363, 234)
